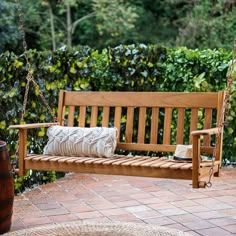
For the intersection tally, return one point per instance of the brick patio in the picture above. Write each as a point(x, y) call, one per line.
point(100, 198)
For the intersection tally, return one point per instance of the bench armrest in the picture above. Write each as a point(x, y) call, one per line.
point(211, 131)
point(22, 142)
point(32, 126)
point(197, 150)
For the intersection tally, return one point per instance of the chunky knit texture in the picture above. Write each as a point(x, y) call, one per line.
point(77, 141)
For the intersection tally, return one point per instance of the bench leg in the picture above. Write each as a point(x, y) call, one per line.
point(218, 173)
point(195, 182)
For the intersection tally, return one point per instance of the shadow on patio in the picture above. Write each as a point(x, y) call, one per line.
point(100, 198)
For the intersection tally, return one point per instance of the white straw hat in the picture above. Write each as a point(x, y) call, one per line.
point(183, 153)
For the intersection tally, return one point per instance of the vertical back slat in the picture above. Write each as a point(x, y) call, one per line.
point(94, 116)
point(220, 107)
point(167, 125)
point(62, 121)
point(141, 124)
point(180, 126)
point(82, 116)
point(71, 116)
point(105, 116)
point(154, 125)
point(207, 125)
point(61, 101)
point(129, 124)
point(193, 122)
point(117, 119)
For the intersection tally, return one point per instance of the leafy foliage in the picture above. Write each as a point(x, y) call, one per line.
point(114, 17)
point(9, 35)
point(210, 24)
point(50, 24)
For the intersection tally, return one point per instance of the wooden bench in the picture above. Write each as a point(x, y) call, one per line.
point(153, 122)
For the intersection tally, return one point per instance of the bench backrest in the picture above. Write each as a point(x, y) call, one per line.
point(147, 121)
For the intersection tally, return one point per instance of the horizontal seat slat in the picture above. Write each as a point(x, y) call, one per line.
point(72, 160)
point(166, 165)
point(98, 161)
point(83, 159)
point(47, 158)
point(152, 161)
point(139, 163)
point(63, 159)
point(124, 159)
point(94, 161)
point(130, 162)
point(109, 162)
point(186, 167)
point(55, 159)
point(158, 163)
point(35, 158)
point(177, 165)
point(67, 159)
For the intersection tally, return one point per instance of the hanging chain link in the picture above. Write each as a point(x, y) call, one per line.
point(29, 79)
point(224, 113)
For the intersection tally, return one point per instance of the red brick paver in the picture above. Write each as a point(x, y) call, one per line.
point(103, 198)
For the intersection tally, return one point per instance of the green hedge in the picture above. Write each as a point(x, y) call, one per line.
point(124, 68)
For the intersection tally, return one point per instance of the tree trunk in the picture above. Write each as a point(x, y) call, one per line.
point(69, 33)
point(52, 28)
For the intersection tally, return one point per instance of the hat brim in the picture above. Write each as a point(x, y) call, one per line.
point(175, 158)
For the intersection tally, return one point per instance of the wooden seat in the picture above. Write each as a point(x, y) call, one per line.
point(118, 165)
point(151, 122)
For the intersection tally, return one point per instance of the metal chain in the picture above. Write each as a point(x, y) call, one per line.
point(44, 100)
point(30, 77)
point(224, 113)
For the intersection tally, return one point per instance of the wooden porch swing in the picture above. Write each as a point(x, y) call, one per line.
point(141, 130)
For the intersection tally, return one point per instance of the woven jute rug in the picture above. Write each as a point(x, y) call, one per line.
point(98, 229)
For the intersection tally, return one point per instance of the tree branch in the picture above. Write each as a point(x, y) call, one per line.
point(75, 23)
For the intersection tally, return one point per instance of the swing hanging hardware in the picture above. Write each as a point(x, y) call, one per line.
point(29, 79)
point(225, 112)
point(29, 76)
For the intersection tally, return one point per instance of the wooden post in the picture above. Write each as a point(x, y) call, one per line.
point(219, 152)
point(22, 151)
point(196, 164)
point(219, 138)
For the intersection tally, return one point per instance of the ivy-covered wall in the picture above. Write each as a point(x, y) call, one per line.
point(124, 68)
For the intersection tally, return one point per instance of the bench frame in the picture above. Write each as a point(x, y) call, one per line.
point(136, 165)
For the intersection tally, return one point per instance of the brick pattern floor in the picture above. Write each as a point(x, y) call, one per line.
point(104, 198)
